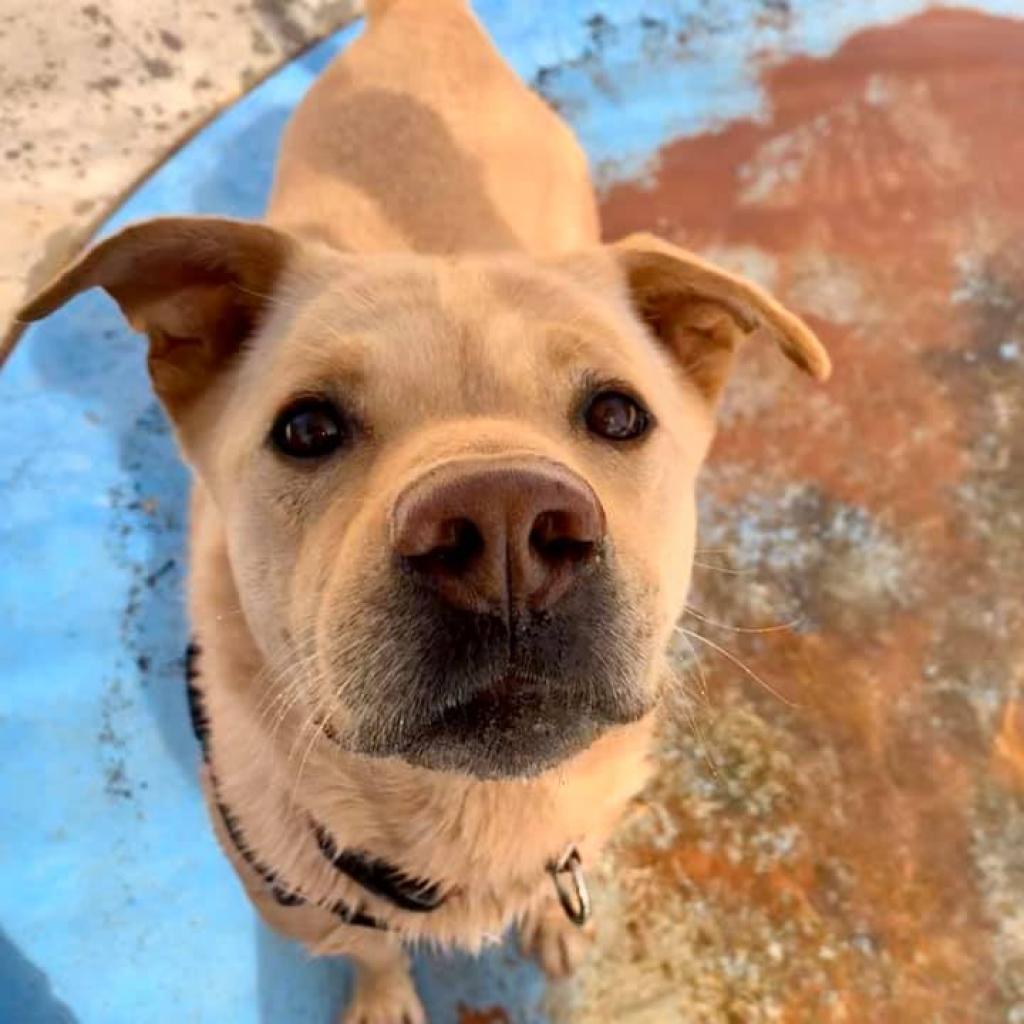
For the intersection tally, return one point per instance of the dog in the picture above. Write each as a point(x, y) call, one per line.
point(444, 445)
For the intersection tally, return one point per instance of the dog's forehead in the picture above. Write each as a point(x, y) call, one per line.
point(469, 330)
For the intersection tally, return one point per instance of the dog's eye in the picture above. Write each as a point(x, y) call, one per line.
point(309, 429)
point(616, 416)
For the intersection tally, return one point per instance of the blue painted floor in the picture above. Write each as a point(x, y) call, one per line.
point(115, 905)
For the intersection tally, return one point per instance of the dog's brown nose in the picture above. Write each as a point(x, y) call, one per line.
point(493, 534)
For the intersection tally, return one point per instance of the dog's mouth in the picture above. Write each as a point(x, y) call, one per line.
point(489, 696)
point(511, 702)
point(517, 725)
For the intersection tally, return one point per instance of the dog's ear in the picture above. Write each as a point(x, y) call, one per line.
point(197, 286)
point(701, 312)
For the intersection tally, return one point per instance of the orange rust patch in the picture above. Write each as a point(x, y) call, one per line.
point(1008, 749)
point(491, 1015)
point(892, 158)
point(898, 135)
point(884, 196)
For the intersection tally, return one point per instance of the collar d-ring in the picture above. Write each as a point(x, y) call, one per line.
point(571, 886)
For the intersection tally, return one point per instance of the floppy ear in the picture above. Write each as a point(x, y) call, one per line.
point(701, 313)
point(197, 286)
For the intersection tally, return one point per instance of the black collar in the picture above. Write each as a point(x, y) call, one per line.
point(284, 894)
point(385, 881)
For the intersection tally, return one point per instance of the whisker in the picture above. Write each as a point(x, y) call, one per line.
point(278, 681)
point(740, 664)
point(691, 715)
point(316, 733)
point(705, 745)
point(722, 569)
point(777, 628)
point(701, 676)
point(693, 722)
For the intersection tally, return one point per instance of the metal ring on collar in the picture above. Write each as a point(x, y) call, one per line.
point(571, 887)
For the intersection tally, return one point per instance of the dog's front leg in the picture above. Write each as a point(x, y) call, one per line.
point(383, 992)
point(547, 935)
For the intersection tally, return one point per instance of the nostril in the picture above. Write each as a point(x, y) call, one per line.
point(501, 534)
point(558, 538)
point(456, 545)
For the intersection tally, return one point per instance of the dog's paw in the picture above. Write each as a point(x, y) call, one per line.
point(389, 999)
point(554, 941)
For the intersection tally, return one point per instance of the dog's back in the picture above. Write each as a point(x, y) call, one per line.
point(446, 152)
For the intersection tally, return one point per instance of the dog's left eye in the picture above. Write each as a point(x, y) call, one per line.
point(616, 416)
point(309, 428)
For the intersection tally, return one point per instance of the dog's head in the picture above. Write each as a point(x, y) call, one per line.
point(457, 493)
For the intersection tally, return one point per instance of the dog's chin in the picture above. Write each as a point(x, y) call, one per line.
point(515, 728)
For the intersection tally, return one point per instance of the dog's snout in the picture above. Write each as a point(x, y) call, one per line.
point(494, 535)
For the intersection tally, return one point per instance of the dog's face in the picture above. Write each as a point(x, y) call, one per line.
point(458, 494)
point(465, 492)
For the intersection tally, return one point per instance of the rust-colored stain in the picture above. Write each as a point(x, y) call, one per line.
point(851, 849)
point(1008, 750)
point(491, 1015)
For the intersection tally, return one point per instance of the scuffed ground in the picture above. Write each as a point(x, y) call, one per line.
point(836, 830)
point(93, 94)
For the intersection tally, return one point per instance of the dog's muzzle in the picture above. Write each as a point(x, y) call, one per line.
point(501, 639)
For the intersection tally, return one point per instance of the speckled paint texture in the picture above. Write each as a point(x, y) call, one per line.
point(835, 832)
point(93, 94)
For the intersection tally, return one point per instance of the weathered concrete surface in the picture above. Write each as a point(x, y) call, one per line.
point(92, 95)
point(841, 838)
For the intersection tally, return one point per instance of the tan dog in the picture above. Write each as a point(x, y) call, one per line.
point(444, 446)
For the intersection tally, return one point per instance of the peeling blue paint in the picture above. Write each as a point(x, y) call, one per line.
point(631, 76)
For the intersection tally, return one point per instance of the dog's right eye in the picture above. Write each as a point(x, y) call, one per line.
point(310, 428)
